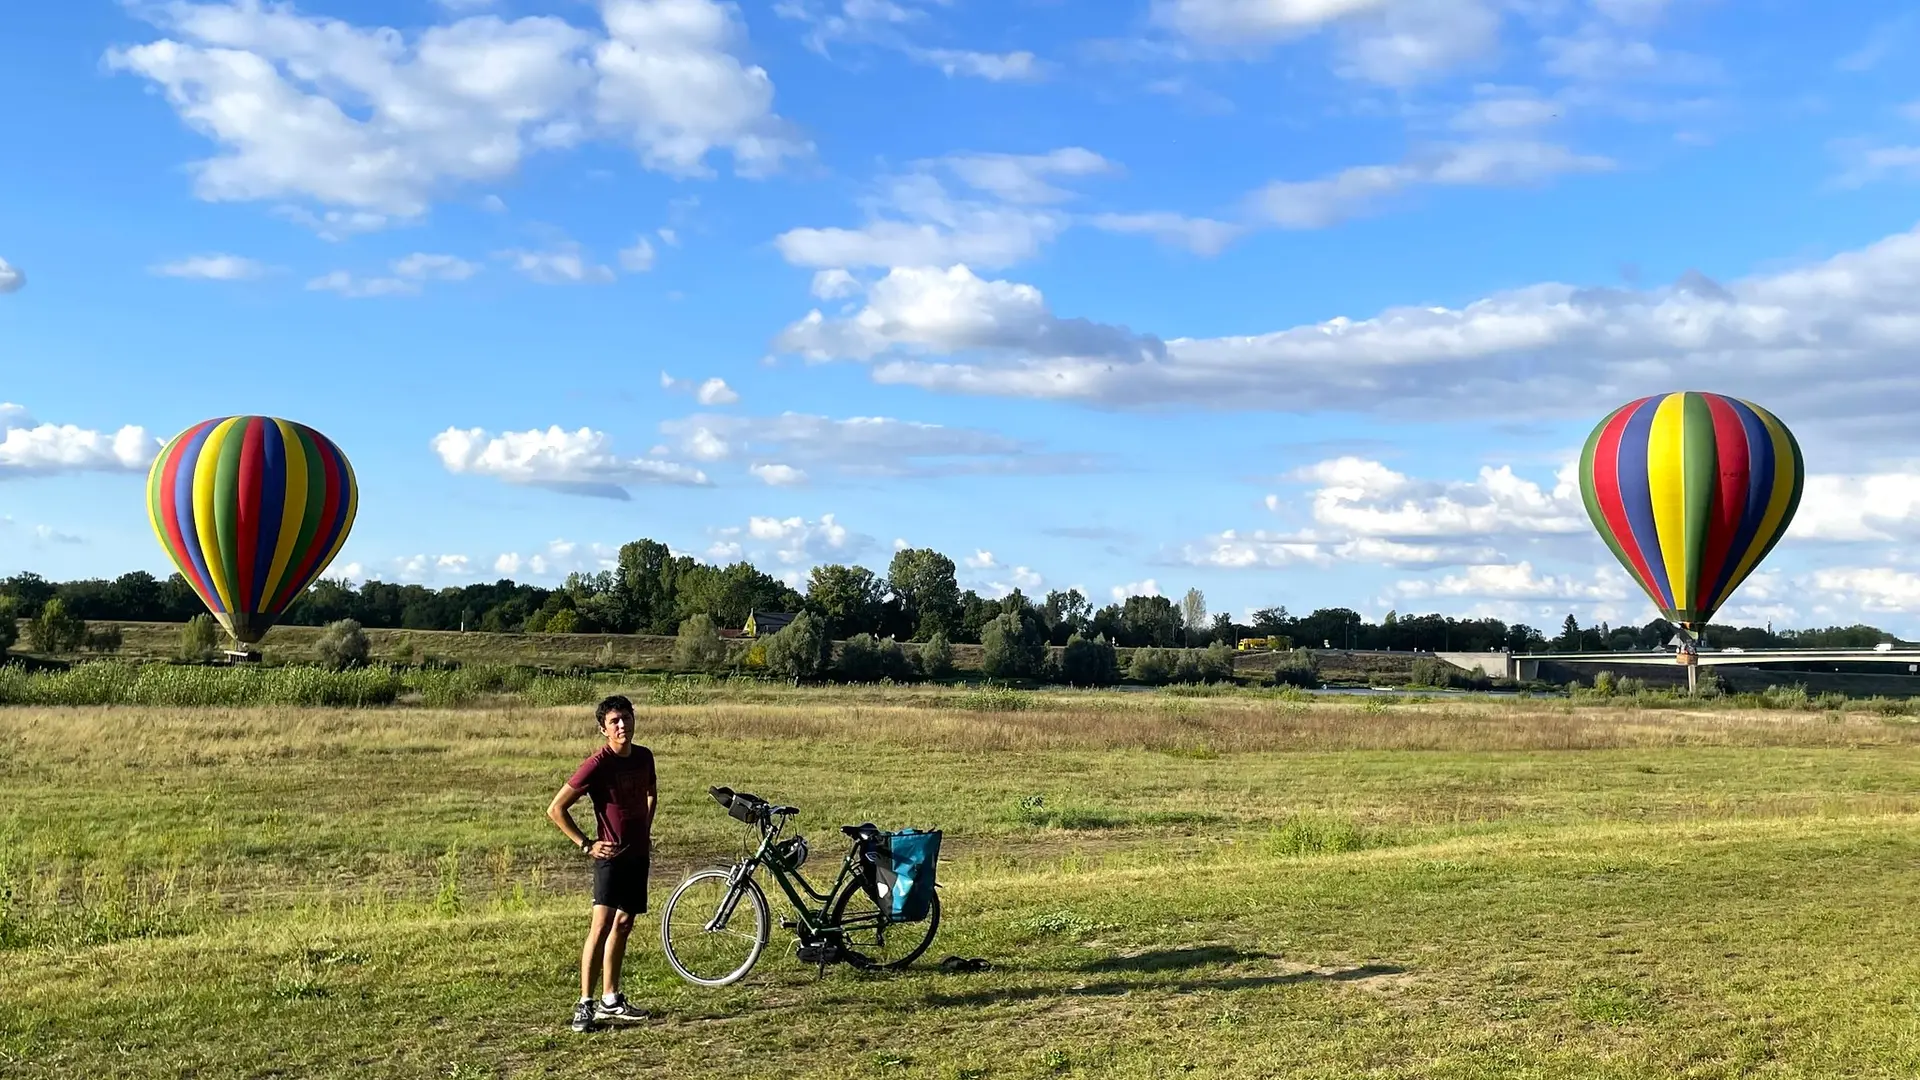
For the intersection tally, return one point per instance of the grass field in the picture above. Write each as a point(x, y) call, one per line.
point(1243, 885)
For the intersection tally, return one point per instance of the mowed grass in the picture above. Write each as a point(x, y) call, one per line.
point(1231, 886)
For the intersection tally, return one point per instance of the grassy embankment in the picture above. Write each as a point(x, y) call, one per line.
point(1241, 885)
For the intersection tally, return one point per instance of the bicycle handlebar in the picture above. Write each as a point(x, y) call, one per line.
point(749, 808)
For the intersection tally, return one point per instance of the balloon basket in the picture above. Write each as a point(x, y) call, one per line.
point(242, 655)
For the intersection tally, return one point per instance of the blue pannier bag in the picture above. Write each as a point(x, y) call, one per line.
point(904, 865)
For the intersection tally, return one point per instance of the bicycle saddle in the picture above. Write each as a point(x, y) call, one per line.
point(856, 832)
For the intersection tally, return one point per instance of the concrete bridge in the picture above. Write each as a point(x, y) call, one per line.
point(1526, 666)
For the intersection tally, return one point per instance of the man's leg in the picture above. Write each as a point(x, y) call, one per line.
point(616, 952)
point(598, 942)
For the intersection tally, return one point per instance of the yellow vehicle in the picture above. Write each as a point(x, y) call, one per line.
point(1248, 644)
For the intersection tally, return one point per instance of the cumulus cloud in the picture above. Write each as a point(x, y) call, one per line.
point(405, 278)
point(793, 541)
point(776, 475)
point(1361, 189)
point(12, 278)
point(637, 259)
point(557, 559)
point(1519, 581)
point(980, 560)
point(573, 462)
point(1835, 338)
point(566, 263)
point(868, 445)
point(373, 121)
point(215, 267)
point(915, 219)
point(1017, 66)
point(835, 284)
point(1874, 589)
point(713, 391)
point(1365, 498)
point(1390, 42)
point(885, 23)
point(1135, 588)
point(1865, 507)
point(29, 447)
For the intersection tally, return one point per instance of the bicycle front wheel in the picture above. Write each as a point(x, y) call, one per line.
point(713, 932)
point(878, 941)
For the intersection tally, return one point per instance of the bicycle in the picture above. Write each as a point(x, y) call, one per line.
point(845, 924)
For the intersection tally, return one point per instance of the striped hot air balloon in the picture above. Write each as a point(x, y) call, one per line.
point(1691, 491)
point(251, 509)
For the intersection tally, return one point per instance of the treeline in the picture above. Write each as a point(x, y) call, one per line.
point(653, 591)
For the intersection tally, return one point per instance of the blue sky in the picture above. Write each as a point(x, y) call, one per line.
point(1296, 301)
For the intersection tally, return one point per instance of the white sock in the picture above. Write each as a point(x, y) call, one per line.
point(609, 998)
point(586, 999)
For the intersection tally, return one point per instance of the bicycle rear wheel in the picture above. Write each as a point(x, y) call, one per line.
point(712, 932)
point(879, 942)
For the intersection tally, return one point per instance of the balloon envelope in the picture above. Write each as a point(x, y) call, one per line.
point(1691, 491)
point(251, 509)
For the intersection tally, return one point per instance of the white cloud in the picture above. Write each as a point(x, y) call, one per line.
point(712, 391)
point(557, 559)
point(637, 259)
point(1835, 338)
point(12, 278)
point(1316, 204)
point(1025, 178)
point(1202, 236)
point(29, 447)
point(215, 267)
point(408, 273)
point(1867, 507)
point(1875, 589)
point(1135, 588)
point(578, 463)
point(1235, 550)
point(834, 284)
point(980, 560)
point(715, 391)
point(795, 541)
point(917, 222)
point(1519, 582)
point(565, 263)
point(952, 310)
point(1391, 42)
point(1597, 55)
point(702, 443)
point(370, 119)
point(47, 534)
point(1365, 498)
point(1868, 163)
point(775, 475)
point(1498, 108)
point(1020, 66)
point(869, 445)
point(900, 544)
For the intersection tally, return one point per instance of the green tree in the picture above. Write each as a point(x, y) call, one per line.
point(1012, 647)
point(1149, 620)
point(861, 659)
point(1193, 617)
point(564, 621)
point(55, 629)
point(849, 597)
point(1186, 665)
point(800, 649)
point(1065, 613)
point(1089, 663)
point(9, 623)
point(343, 645)
point(200, 638)
point(729, 593)
point(1151, 666)
point(647, 582)
point(936, 656)
point(925, 587)
point(1216, 663)
point(1569, 635)
point(1301, 668)
point(699, 646)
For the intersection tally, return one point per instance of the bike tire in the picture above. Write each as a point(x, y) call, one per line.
point(929, 926)
point(752, 904)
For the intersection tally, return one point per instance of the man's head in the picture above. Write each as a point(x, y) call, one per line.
point(615, 717)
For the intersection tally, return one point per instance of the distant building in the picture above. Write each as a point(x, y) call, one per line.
point(766, 623)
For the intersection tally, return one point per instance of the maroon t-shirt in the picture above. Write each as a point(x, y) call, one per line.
point(619, 787)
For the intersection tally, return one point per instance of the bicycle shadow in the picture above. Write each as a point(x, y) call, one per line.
point(1160, 961)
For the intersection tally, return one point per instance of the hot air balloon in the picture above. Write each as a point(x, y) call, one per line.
point(1691, 491)
point(251, 509)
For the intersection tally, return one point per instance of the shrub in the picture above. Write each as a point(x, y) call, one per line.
point(1216, 663)
point(991, 698)
point(936, 656)
point(1150, 666)
point(200, 638)
point(55, 629)
point(1011, 647)
point(799, 650)
point(1440, 674)
point(699, 646)
point(343, 645)
point(1089, 663)
point(1186, 666)
point(105, 639)
point(1299, 667)
point(564, 621)
point(1603, 683)
point(605, 657)
point(860, 659)
point(9, 624)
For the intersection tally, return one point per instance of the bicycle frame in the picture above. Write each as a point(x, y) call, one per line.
point(811, 923)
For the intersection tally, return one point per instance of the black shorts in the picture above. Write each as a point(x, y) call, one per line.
point(621, 883)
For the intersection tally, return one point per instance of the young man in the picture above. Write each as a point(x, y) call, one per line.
point(619, 778)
